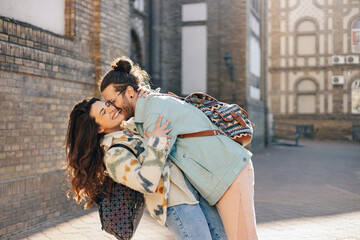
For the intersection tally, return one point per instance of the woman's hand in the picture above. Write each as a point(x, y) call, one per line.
point(160, 131)
point(143, 92)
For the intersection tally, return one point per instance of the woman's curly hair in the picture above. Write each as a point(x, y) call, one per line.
point(85, 168)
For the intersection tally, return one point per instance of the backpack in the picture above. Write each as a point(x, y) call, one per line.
point(121, 213)
point(232, 120)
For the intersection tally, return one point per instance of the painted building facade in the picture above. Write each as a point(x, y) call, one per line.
point(314, 68)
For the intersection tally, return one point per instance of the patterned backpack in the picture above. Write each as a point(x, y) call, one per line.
point(120, 214)
point(232, 120)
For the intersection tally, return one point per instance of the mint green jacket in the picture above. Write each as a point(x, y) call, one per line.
point(211, 163)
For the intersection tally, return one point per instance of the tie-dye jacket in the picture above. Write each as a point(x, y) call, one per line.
point(147, 172)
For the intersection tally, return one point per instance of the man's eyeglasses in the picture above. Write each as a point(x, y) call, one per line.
point(109, 103)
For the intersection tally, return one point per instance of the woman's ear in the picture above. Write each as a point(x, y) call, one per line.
point(101, 130)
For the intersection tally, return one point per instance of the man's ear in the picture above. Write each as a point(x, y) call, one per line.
point(130, 91)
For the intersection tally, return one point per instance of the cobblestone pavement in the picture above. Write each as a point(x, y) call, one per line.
point(311, 191)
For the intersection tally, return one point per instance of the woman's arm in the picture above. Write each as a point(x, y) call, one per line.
point(125, 168)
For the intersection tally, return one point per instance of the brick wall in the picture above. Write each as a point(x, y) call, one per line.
point(170, 45)
point(42, 76)
point(324, 126)
point(115, 31)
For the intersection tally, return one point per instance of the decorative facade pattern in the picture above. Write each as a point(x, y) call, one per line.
point(305, 9)
point(313, 65)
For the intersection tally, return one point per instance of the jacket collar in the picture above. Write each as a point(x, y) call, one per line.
point(129, 131)
point(107, 140)
point(140, 108)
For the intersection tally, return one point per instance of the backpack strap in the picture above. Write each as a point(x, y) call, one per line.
point(171, 94)
point(124, 146)
point(200, 134)
point(101, 196)
point(195, 134)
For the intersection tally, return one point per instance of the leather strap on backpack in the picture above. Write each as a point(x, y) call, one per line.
point(196, 134)
point(200, 134)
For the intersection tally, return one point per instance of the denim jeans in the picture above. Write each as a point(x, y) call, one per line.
point(195, 222)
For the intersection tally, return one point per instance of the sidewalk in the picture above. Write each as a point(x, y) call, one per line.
point(86, 226)
point(308, 192)
point(311, 191)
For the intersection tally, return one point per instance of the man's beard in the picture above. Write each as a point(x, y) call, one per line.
point(127, 110)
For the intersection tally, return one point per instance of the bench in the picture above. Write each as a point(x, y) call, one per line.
point(285, 131)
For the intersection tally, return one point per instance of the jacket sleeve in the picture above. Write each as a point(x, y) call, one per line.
point(125, 168)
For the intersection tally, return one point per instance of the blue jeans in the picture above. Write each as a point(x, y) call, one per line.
point(194, 222)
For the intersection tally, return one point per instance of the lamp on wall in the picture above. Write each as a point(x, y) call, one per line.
point(229, 65)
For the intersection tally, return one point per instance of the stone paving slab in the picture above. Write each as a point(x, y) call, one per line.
point(307, 192)
point(337, 227)
point(86, 225)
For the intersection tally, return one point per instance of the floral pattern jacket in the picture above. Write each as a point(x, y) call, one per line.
point(147, 172)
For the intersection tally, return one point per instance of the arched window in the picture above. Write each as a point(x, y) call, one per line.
point(355, 97)
point(306, 38)
point(355, 36)
point(306, 96)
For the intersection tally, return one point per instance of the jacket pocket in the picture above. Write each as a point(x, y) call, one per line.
point(200, 170)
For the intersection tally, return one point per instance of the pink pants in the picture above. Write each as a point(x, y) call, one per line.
point(236, 207)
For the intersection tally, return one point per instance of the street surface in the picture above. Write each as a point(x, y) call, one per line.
point(311, 191)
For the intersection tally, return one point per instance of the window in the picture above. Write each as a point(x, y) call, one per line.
point(49, 15)
point(306, 38)
point(355, 36)
point(139, 5)
point(193, 59)
point(135, 49)
point(355, 97)
point(306, 97)
point(194, 47)
point(255, 56)
point(255, 5)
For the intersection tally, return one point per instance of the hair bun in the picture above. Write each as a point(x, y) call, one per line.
point(122, 64)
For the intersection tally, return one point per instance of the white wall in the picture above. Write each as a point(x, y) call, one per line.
point(193, 59)
point(46, 14)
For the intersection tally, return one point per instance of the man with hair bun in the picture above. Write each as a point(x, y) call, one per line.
point(218, 168)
